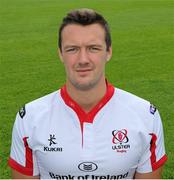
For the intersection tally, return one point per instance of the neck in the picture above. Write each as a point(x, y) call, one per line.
point(87, 99)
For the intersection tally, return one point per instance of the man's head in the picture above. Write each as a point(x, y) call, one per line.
point(85, 17)
point(84, 48)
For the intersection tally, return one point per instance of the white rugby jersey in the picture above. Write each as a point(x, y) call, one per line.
point(54, 138)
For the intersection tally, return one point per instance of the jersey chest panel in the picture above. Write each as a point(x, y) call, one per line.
point(108, 146)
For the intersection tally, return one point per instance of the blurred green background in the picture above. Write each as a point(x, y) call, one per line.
point(142, 62)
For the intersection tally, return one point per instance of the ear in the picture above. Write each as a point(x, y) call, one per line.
point(60, 55)
point(109, 54)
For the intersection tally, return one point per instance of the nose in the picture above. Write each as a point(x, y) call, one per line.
point(83, 56)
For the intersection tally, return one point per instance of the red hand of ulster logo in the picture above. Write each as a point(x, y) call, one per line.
point(119, 136)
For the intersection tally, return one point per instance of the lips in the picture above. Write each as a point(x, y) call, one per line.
point(83, 70)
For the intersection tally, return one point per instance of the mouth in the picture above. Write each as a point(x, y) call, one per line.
point(83, 70)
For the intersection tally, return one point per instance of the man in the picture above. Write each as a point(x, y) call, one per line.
point(88, 129)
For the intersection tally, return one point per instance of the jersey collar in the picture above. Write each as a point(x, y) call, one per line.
point(82, 115)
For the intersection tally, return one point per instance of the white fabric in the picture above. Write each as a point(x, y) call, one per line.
point(102, 148)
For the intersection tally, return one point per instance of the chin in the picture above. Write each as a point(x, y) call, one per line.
point(85, 83)
point(84, 86)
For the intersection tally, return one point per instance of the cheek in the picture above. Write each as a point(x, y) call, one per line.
point(99, 59)
point(67, 60)
point(69, 66)
point(100, 63)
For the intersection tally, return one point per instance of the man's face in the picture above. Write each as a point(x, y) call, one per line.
point(84, 55)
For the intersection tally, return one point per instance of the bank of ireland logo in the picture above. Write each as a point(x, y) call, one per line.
point(120, 140)
point(88, 166)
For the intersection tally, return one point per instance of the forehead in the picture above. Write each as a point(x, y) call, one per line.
point(75, 33)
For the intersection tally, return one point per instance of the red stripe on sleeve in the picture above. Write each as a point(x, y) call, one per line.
point(22, 169)
point(28, 168)
point(154, 163)
point(153, 148)
point(159, 163)
point(28, 155)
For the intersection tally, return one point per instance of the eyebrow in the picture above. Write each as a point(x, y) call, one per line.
point(96, 45)
point(72, 46)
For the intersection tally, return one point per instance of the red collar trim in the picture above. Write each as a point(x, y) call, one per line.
point(82, 115)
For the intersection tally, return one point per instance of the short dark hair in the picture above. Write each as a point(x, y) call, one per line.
point(85, 17)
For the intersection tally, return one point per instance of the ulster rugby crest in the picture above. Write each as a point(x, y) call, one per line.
point(120, 140)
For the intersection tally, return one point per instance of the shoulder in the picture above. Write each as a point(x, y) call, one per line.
point(44, 101)
point(129, 98)
point(30, 112)
point(139, 111)
point(135, 104)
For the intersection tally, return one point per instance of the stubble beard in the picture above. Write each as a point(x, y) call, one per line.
point(86, 86)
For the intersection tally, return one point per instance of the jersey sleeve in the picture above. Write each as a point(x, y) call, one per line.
point(154, 155)
point(22, 158)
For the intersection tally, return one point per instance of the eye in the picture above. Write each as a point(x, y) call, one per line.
point(94, 49)
point(71, 49)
